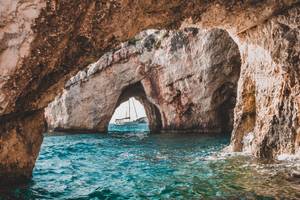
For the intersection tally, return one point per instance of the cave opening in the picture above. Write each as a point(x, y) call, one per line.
point(193, 89)
point(200, 97)
point(221, 79)
point(129, 116)
point(134, 112)
point(44, 43)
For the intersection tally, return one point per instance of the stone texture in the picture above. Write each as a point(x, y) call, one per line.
point(66, 36)
point(269, 87)
point(52, 40)
point(189, 76)
point(16, 36)
point(19, 151)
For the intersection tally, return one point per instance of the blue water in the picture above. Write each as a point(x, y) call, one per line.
point(148, 166)
point(137, 128)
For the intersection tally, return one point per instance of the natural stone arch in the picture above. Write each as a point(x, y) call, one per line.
point(152, 112)
point(62, 37)
point(59, 38)
point(189, 76)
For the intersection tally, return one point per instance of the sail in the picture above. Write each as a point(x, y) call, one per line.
point(128, 119)
point(136, 115)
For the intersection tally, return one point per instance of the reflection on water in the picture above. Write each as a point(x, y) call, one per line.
point(150, 166)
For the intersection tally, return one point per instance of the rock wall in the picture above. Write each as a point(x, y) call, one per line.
point(16, 36)
point(58, 38)
point(190, 76)
point(19, 151)
point(269, 89)
point(50, 41)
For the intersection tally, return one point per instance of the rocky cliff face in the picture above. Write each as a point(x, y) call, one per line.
point(189, 76)
point(269, 89)
point(44, 43)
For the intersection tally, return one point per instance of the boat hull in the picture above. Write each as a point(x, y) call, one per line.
point(129, 127)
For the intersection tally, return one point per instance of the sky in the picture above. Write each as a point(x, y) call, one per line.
point(120, 112)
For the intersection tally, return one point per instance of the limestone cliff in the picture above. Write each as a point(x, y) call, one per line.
point(186, 79)
point(44, 43)
point(268, 104)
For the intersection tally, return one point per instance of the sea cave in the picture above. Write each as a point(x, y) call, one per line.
point(149, 99)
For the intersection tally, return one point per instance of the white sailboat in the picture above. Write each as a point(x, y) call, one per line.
point(128, 120)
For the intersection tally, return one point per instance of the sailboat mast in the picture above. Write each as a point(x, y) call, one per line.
point(129, 108)
point(134, 109)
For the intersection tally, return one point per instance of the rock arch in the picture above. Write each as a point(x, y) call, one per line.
point(152, 112)
point(187, 81)
point(44, 43)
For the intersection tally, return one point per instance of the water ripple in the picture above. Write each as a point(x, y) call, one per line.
point(143, 166)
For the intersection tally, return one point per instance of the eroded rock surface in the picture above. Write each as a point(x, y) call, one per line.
point(268, 105)
point(190, 76)
point(44, 43)
point(19, 151)
point(62, 37)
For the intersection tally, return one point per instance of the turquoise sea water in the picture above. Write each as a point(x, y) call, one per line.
point(136, 128)
point(149, 166)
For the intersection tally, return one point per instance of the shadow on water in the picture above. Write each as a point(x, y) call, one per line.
point(134, 165)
